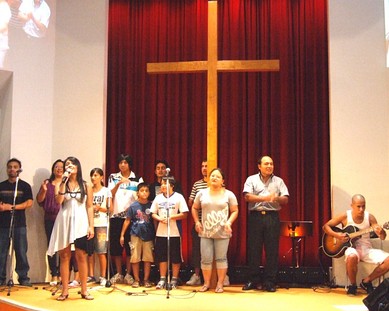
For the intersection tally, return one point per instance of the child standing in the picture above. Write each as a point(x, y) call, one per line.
point(167, 208)
point(123, 186)
point(101, 202)
point(142, 234)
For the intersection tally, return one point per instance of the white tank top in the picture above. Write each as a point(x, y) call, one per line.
point(365, 224)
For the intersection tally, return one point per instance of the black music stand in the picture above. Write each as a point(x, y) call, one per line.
point(296, 230)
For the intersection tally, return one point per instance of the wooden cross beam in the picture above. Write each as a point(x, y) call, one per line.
point(212, 66)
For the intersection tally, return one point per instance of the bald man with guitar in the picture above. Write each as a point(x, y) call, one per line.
point(353, 240)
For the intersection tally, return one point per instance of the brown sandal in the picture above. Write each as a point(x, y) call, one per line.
point(62, 297)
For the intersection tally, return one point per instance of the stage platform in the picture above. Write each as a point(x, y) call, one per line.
point(185, 298)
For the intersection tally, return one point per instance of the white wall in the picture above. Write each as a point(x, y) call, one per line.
point(5, 118)
point(79, 109)
point(58, 106)
point(30, 128)
point(359, 105)
point(80, 82)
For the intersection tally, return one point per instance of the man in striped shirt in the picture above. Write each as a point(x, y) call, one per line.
point(197, 186)
point(196, 256)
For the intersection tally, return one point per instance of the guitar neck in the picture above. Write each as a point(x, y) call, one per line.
point(361, 232)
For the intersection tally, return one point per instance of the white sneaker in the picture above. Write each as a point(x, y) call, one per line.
point(74, 284)
point(102, 281)
point(161, 284)
point(54, 281)
point(226, 281)
point(91, 279)
point(128, 279)
point(194, 280)
point(173, 284)
point(117, 278)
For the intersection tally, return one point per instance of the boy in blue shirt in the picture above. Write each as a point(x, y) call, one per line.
point(142, 234)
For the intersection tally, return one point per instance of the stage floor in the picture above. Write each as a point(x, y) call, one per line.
point(124, 297)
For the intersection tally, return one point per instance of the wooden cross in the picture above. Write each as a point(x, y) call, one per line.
point(212, 66)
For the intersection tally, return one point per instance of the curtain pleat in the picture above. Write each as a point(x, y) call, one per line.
point(284, 114)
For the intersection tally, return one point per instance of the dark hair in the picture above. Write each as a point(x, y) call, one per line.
point(126, 157)
point(52, 176)
point(80, 181)
point(98, 171)
point(14, 160)
point(260, 159)
point(142, 185)
point(172, 181)
point(221, 173)
point(163, 162)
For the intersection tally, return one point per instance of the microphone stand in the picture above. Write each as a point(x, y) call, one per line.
point(10, 282)
point(168, 285)
point(107, 239)
point(109, 261)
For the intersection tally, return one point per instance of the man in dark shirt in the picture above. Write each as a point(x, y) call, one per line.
point(160, 173)
point(14, 203)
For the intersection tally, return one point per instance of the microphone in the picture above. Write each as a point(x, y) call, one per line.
point(19, 171)
point(167, 171)
point(108, 205)
point(65, 178)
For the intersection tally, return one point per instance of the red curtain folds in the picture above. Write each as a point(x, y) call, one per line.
point(283, 114)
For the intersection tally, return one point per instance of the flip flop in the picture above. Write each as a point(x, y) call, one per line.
point(219, 290)
point(204, 289)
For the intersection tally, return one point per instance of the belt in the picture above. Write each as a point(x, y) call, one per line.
point(265, 212)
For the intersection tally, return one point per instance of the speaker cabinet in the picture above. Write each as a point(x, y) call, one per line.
point(378, 300)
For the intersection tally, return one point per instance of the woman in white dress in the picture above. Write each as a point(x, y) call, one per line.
point(73, 225)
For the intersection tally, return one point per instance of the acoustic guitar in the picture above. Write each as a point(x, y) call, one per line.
point(335, 248)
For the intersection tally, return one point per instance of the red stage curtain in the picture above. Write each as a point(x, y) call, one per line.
point(284, 114)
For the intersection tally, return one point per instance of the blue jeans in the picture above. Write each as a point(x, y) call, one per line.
point(20, 249)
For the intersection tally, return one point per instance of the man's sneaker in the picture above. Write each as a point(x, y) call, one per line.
point(102, 281)
point(226, 281)
point(25, 283)
point(117, 278)
point(128, 279)
point(161, 284)
point(173, 284)
point(194, 280)
point(352, 290)
point(91, 279)
point(54, 281)
point(74, 284)
point(367, 286)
